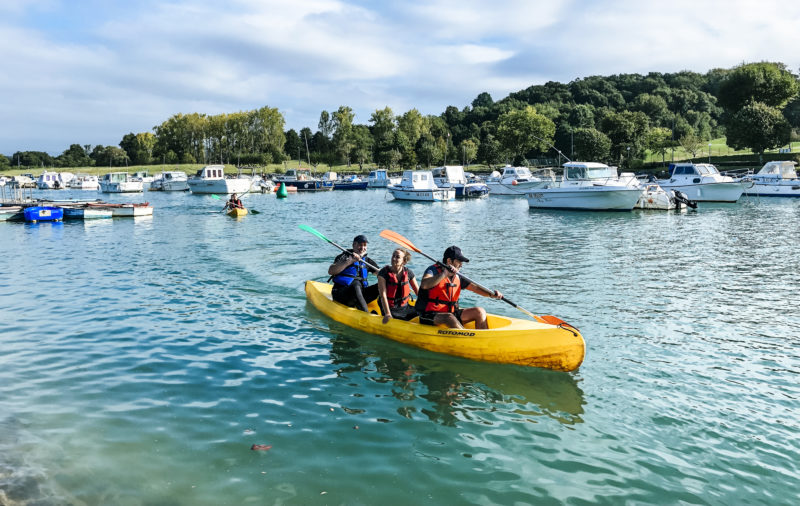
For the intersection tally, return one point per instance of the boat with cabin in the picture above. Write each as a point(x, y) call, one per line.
point(350, 182)
point(702, 182)
point(517, 181)
point(419, 185)
point(303, 180)
point(83, 181)
point(54, 180)
point(211, 179)
point(775, 179)
point(453, 176)
point(144, 177)
point(170, 181)
point(379, 178)
point(589, 186)
point(119, 182)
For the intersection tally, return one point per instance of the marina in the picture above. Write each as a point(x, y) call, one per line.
point(183, 339)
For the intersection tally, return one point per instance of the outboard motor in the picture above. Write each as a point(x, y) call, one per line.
point(681, 197)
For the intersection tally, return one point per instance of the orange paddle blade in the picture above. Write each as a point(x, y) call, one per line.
point(399, 239)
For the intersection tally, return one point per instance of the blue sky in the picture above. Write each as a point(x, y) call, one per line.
point(89, 72)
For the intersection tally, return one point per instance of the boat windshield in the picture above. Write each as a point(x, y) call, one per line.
point(707, 169)
point(602, 172)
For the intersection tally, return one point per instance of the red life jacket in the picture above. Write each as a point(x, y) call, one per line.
point(443, 298)
point(398, 290)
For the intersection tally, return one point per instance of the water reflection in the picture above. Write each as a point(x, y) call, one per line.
point(454, 389)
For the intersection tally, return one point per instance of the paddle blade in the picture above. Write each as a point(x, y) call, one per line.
point(312, 231)
point(215, 196)
point(399, 239)
point(253, 211)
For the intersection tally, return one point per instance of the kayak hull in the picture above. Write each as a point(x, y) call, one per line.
point(507, 341)
point(236, 212)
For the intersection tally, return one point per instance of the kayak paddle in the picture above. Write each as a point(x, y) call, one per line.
point(318, 234)
point(402, 241)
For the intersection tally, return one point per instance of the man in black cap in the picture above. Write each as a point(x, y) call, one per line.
point(439, 290)
point(349, 272)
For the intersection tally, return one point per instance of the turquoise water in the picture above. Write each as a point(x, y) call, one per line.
point(143, 358)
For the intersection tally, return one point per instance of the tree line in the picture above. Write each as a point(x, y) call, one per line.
point(614, 119)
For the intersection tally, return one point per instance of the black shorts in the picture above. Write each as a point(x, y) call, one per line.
point(347, 294)
point(427, 318)
point(405, 313)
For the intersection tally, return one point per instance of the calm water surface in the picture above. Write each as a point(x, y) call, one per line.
point(141, 359)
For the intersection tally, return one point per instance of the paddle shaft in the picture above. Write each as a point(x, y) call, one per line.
point(369, 265)
point(318, 234)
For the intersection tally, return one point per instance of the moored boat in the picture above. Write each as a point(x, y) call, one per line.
point(516, 181)
point(170, 181)
point(84, 182)
point(775, 179)
point(85, 212)
point(453, 176)
point(119, 182)
point(303, 180)
point(702, 182)
point(11, 213)
point(589, 186)
point(125, 210)
point(211, 179)
point(506, 341)
point(379, 178)
point(419, 185)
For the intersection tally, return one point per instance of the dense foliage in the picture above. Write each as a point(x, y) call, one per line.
point(615, 119)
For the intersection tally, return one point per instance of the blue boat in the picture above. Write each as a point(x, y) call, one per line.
point(43, 213)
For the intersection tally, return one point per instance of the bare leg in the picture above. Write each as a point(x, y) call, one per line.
point(477, 315)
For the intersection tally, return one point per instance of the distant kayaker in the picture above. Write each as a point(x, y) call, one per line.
point(233, 203)
point(349, 272)
point(395, 282)
point(440, 289)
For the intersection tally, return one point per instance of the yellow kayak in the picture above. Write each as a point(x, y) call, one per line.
point(237, 212)
point(506, 341)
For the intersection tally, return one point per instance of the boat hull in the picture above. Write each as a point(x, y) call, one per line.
point(362, 185)
point(40, 213)
point(11, 213)
point(708, 192)
point(205, 186)
point(507, 341)
point(589, 198)
point(237, 213)
point(777, 189)
point(86, 213)
point(422, 195)
point(123, 187)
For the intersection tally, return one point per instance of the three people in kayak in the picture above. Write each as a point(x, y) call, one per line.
point(440, 290)
point(349, 272)
point(395, 282)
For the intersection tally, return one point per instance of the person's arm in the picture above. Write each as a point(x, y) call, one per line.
point(414, 285)
point(383, 300)
point(472, 287)
point(341, 262)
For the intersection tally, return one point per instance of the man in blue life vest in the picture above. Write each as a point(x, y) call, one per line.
point(349, 272)
point(439, 290)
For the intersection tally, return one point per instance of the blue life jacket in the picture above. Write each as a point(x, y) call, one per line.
point(356, 270)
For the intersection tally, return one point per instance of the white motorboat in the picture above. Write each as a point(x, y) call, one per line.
point(124, 210)
point(419, 185)
point(54, 180)
point(379, 178)
point(119, 182)
point(655, 197)
point(453, 176)
point(85, 212)
point(517, 181)
point(775, 179)
point(170, 181)
point(84, 182)
point(211, 179)
point(702, 182)
point(589, 186)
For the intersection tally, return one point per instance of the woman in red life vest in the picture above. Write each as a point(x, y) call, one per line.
point(440, 289)
point(395, 282)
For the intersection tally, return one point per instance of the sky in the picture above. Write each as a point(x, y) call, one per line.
point(91, 71)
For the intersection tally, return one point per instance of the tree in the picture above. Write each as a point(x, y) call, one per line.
point(591, 145)
point(765, 82)
point(412, 124)
point(627, 132)
point(524, 130)
point(362, 144)
point(658, 141)
point(75, 156)
point(4, 162)
point(691, 143)
point(483, 100)
point(294, 145)
point(343, 132)
point(139, 147)
point(468, 149)
point(325, 125)
point(758, 127)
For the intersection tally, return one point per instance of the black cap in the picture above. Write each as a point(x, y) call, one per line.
point(360, 238)
point(454, 252)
